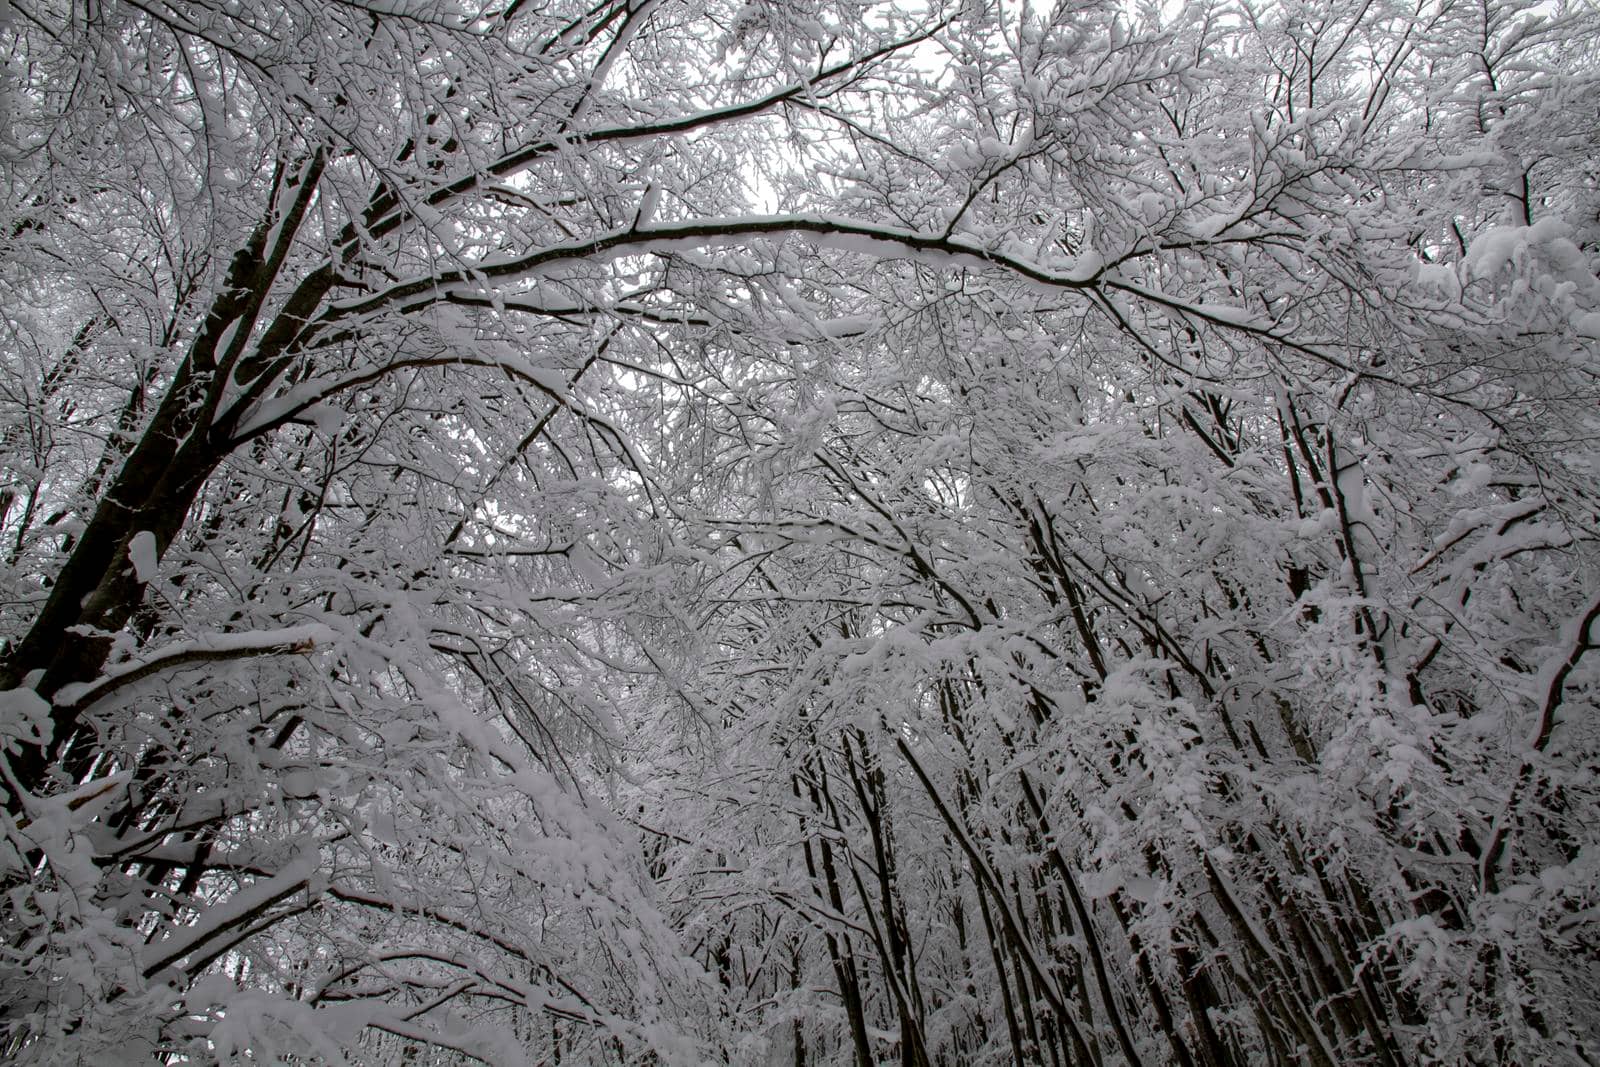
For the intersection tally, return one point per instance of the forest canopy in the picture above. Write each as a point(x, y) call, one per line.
point(800, 531)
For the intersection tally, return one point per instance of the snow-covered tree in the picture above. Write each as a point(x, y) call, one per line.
point(829, 532)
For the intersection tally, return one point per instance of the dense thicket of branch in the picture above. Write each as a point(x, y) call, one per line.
point(799, 532)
